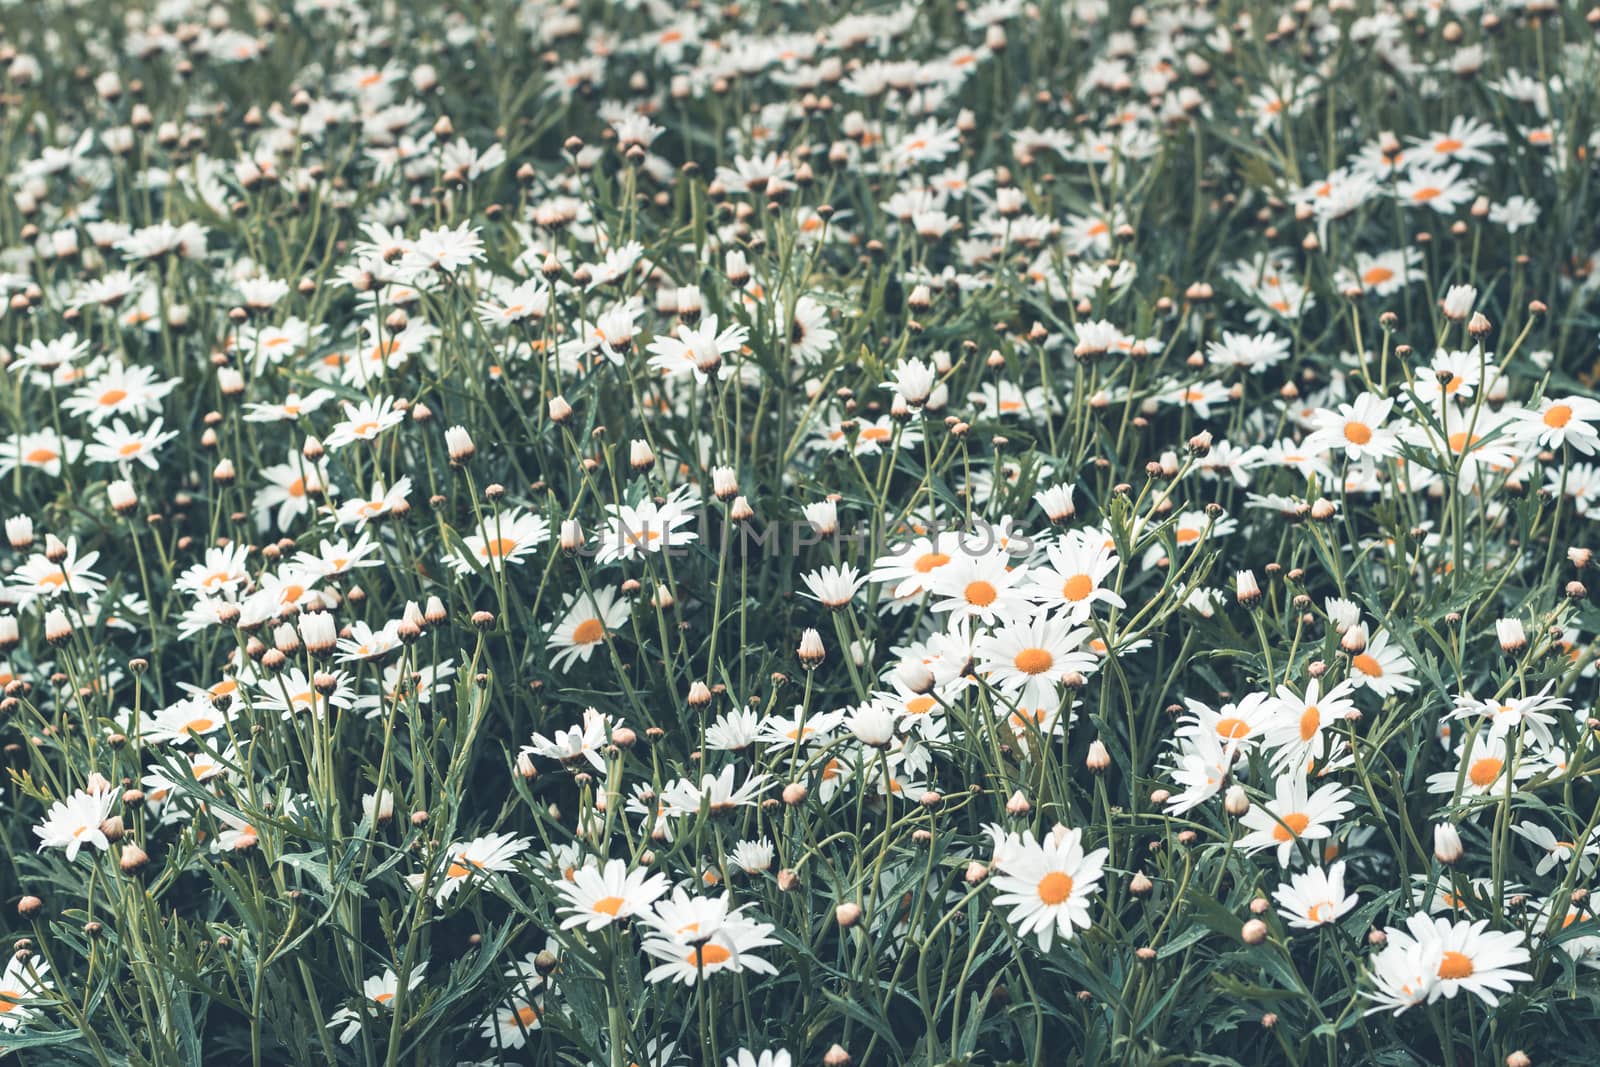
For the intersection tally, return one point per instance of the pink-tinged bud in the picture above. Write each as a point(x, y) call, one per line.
point(811, 650)
point(459, 444)
point(57, 627)
point(1246, 589)
point(847, 914)
point(1018, 804)
point(1253, 932)
point(1446, 843)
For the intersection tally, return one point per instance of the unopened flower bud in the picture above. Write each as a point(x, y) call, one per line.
point(1446, 843)
point(1235, 802)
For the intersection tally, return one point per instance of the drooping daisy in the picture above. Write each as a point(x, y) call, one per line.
point(223, 571)
point(1534, 715)
point(716, 793)
point(1048, 884)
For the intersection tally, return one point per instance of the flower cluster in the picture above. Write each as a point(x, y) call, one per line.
point(630, 533)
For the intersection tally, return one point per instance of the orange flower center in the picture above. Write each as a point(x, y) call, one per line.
point(1079, 586)
point(608, 906)
point(1454, 965)
point(980, 594)
point(930, 561)
point(1558, 416)
point(500, 547)
point(1294, 824)
point(1357, 433)
point(1232, 729)
point(1034, 660)
point(1055, 888)
point(1484, 771)
point(709, 955)
point(588, 632)
point(1310, 723)
point(1367, 666)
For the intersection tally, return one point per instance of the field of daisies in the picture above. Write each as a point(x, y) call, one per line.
point(822, 532)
